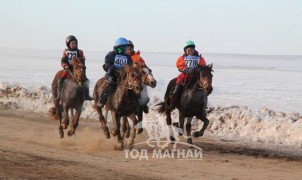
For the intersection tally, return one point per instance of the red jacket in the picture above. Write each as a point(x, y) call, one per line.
point(181, 64)
point(69, 54)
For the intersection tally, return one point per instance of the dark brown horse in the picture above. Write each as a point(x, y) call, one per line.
point(192, 101)
point(122, 102)
point(148, 80)
point(72, 96)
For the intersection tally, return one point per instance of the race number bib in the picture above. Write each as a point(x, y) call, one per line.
point(191, 61)
point(120, 61)
point(70, 55)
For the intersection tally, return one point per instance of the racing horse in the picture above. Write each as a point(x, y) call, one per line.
point(192, 101)
point(148, 80)
point(72, 97)
point(122, 102)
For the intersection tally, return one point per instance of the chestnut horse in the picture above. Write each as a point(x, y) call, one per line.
point(122, 102)
point(192, 101)
point(72, 97)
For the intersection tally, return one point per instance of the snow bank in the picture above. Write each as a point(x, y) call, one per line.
point(235, 123)
point(240, 123)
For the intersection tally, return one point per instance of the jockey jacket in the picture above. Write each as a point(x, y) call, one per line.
point(190, 62)
point(113, 60)
point(137, 58)
point(69, 54)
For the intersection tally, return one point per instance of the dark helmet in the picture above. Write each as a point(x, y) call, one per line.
point(69, 39)
point(131, 44)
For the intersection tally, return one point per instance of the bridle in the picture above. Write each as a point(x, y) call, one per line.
point(74, 76)
point(129, 85)
point(148, 72)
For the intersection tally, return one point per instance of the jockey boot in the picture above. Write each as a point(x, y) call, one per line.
point(174, 98)
point(87, 97)
point(105, 94)
point(60, 87)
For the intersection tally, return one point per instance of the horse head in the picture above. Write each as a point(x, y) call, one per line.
point(205, 78)
point(78, 70)
point(132, 78)
point(147, 76)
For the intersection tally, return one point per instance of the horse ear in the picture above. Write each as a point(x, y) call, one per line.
point(210, 66)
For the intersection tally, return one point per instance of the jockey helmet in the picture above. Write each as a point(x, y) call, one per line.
point(121, 42)
point(69, 39)
point(131, 44)
point(189, 44)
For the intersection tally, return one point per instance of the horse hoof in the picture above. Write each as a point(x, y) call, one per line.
point(119, 147)
point(176, 124)
point(107, 134)
point(127, 134)
point(113, 132)
point(71, 132)
point(172, 138)
point(61, 134)
point(189, 141)
point(130, 142)
point(198, 134)
point(140, 130)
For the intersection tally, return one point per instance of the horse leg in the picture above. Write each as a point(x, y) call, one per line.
point(181, 120)
point(103, 122)
point(188, 129)
point(128, 129)
point(134, 129)
point(124, 127)
point(75, 121)
point(65, 122)
point(59, 114)
point(140, 119)
point(120, 145)
point(169, 123)
point(205, 124)
point(113, 130)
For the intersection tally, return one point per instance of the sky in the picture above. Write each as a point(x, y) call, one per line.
point(218, 26)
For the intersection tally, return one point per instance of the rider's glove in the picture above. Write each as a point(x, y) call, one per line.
point(66, 67)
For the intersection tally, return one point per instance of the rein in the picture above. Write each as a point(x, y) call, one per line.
point(74, 75)
point(129, 85)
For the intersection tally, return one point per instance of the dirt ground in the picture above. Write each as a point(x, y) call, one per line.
point(30, 148)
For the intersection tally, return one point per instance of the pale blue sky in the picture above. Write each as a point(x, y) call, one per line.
point(216, 26)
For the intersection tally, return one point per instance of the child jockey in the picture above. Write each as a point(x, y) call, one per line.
point(185, 63)
point(71, 52)
point(114, 60)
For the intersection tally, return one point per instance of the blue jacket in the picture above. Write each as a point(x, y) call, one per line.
point(113, 60)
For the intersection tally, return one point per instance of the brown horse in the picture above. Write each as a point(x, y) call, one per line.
point(72, 96)
point(192, 101)
point(122, 102)
point(148, 80)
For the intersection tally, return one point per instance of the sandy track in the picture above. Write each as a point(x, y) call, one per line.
point(30, 149)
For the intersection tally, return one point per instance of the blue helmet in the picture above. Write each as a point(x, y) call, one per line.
point(121, 42)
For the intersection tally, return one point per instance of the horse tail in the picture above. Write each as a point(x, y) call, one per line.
point(161, 108)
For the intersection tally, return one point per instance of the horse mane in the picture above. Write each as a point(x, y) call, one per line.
point(77, 61)
point(122, 72)
point(194, 77)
